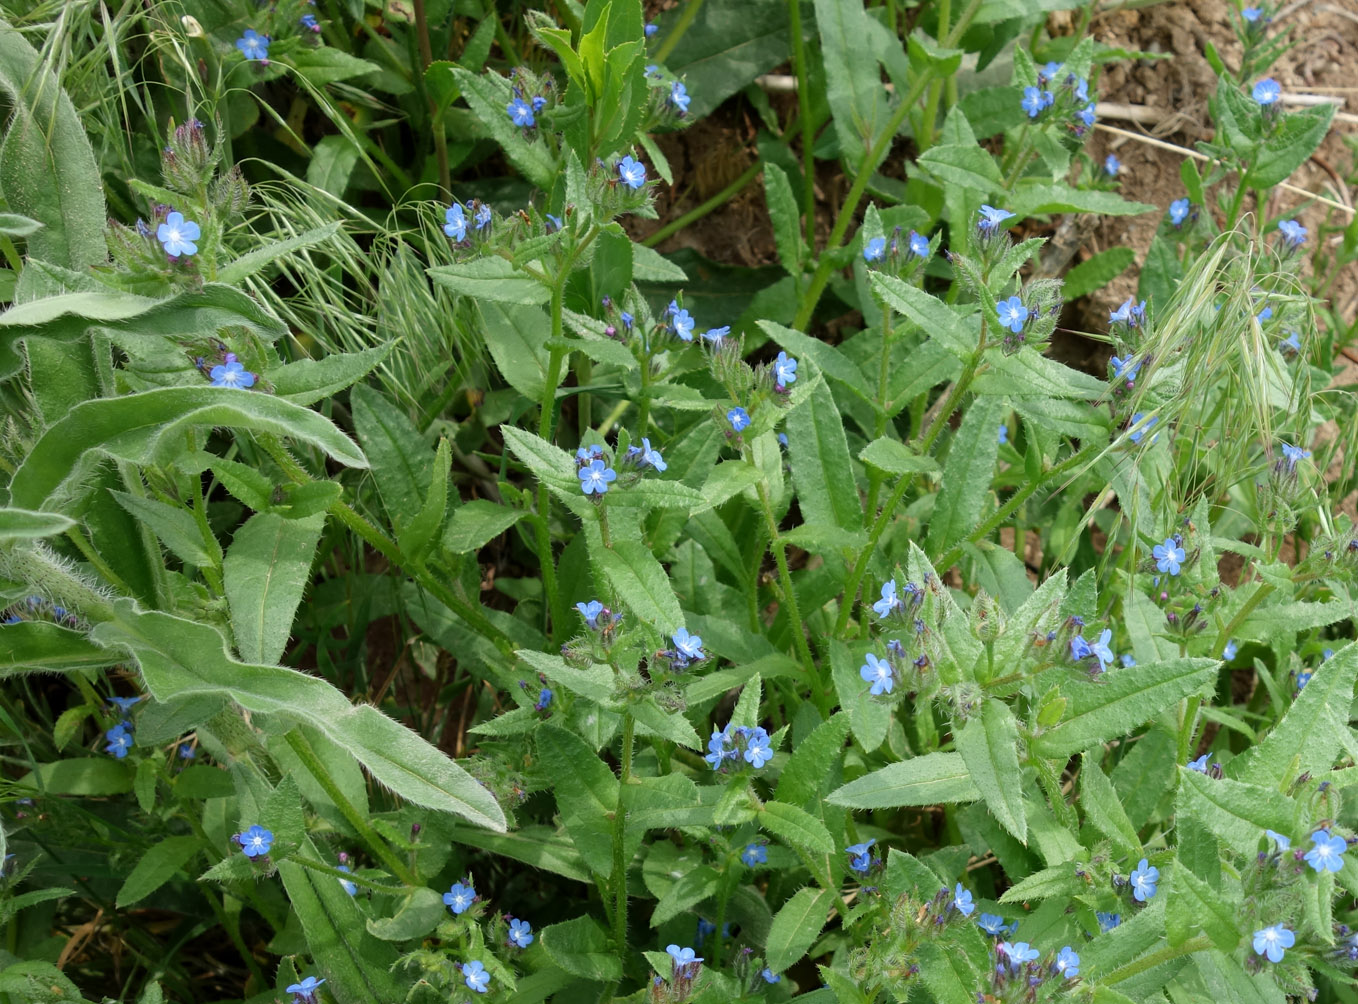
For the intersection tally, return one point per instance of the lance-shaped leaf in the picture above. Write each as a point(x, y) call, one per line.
point(927, 780)
point(989, 747)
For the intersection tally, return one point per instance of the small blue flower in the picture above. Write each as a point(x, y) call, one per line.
point(919, 245)
point(521, 113)
point(651, 29)
point(1101, 651)
point(1284, 844)
point(689, 646)
point(1125, 369)
point(253, 45)
point(1003, 434)
point(757, 750)
point(460, 897)
point(187, 752)
point(1292, 342)
point(1136, 434)
point(482, 218)
point(1200, 764)
point(590, 612)
point(1228, 653)
point(627, 320)
point(255, 841)
point(769, 975)
point(1087, 114)
point(1168, 556)
point(1293, 454)
point(878, 672)
point(1107, 921)
point(1178, 211)
point(1328, 852)
point(520, 933)
point(544, 699)
point(961, 901)
point(595, 478)
point(632, 172)
point(1012, 313)
point(1252, 14)
point(124, 704)
point(739, 419)
point(1048, 71)
point(860, 858)
point(1067, 963)
point(1294, 234)
point(754, 854)
point(1267, 92)
point(1017, 953)
point(1326, 653)
point(178, 235)
point(455, 225)
point(715, 335)
point(784, 369)
point(991, 218)
point(119, 741)
point(679, 97)
point(991, 924)
point(1143, 880)
point(553, 223)
point(309, 22)
point(875, 249)
point(306, 989)
point(1303, 678)
point(889, 601)
point(682, 956)
point(1111, 166)
point(1127, 660)
point(682, 323)
point(652, 456)
point(1034, 100)
point(1080, 648)
point(475, 976)
point(1272, 941)
point(348, 886)
point(231, 374)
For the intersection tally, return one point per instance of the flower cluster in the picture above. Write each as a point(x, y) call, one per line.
point(753, 745)
point(1069, 102)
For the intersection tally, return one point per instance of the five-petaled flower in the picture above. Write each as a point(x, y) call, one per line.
point(306, 990)
point(1107, 921)
point(889, 601)
point(1034, 100)
point(875, 249)
point(1328, 853)
point(460, 897)
point(1178, 211)
point(348, 886)
point(1136, 434)
point(1124, 369)
point(1100, 649)
point(961, 901)
point(178, 235)
point(475, 976)
point(231, 374)
point(878, 672)
point(309, 22)
point(690, 646)
point(119, 741)
point(124, 704)
point(679, 97)
point(1267, 92)
point(455, 222)
point(1272, 941)
point(991, 924)
point(521, 113)
point(919, 245)
point(1143, 880)
point(1080, 648)
point(1252, 14)
point(520, 933)
point(1168, 556)
point(255, 841)
point(1111, 166)
point(482, 218)
point(651, 456)
point(1284, 843)
point(682, 956)
point(682, 322)
point(1017, 953)
point(769, 975)
point(1067, 963)
point(1294, 234)
point(754, 854)
point(991, 218)
point(757, 751)
point(1292, 454)
point(1200, 764)
point(739, 419)
point(590, 612)
point(595, 478)
point(631, 172)
point(715, 335)
point(860, 855)
point(1012, 313)
point(253, 45)
point(784, 369)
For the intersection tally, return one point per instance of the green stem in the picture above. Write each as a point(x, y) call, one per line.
point(794, 13)
point(926, 131)
point(698, 212)
point(1197, 943)
point(794, 612)
point(356, 819)
point(619, 828)
point(681, 27)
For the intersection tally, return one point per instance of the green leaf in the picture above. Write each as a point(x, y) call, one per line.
point(805, 777)
point(870, 718)
point(641, 582)
point(402, 463)
point(1236, 812)
point(488, 95)
point(932, 779)
point(307, 381)
point(796, 826)
point(39, 646)
point(325, 65)
point(156, 867)
point(176, 528)
point(235, 272)
point(22, 524)
point(852, 79)
point(1096, 272)
point(582, 948)
point(539, 846)
point(332, 164)
point(894, 457)
point(727, 45)
point(649, 265)
point(14, 225)
point(416, 916)
point(940, 322)
point(956, 165)
point(267, 567)
point(821, 468)
point(796, 926)
point(1298, 135)
point(475, 524)
point(1103, 809)
point(415, 540)
point(492, 278)
point(1034, 200)
point(966, 475)
point(586, 793)
point(989, 747)
point(149, 428)
point(48, 172)
point(1118, 702)
point(786, 218)
point(516, 338)
point(81, 776)
point(1193, 905)
point(672, 725)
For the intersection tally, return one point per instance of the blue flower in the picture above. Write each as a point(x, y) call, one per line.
point(991, 218)
point(482, 218)
point(1067, 963)
point(961, 901)
point(345, 884)
point(784, 369)
point(1200, 764)
point(875, 249)
point(456, 222)
point(1012, 313)
point(1293, 454)
point(1087, 115)
point(682, 324)
point(124, 704)
point(769, 975)
point(889, 601)
point(119, 741)
point(682, 956)
point(1136, 434)
point(1018, 953)
point(626, 319)
point(860, 858)
point(595, 478)
point(178, 235)
point(1125, 369)
point(231, 374)
point(521, 113)
point(1272, 941)
point(253, 45)
point(1168, 556)
point(991, 924)
point(1079, 648)
point(1127, 660)
point(878, 672)
point(689, 646)
point(1294, 234)
point(475, 976)
point(1143, 880)
point(1111, 166)
point(754, 854)
point(652, 456)
point(187, 752)
point(1303, 678)
point(1326, 653)
point(1107, 921)
point(1252, 14)
point(919, 245)
point(306, 989)
point(1034, 100)
point(757, 750)
point(1283, 842)
point(1267, 92)
point(1178, 211)
point(460, 897)
point(255, 841)
point(1048, 71)
point(679, 97)
point(1100, 649)
point(632, 172)
point(715, 335)
point(544, 699)
point(553, 223)
point(520, 933)
point(651, 29)
point(1328, 852)
point(1228, 653)
point(590, 612)
point(1003, 434)
point(738, 418)
point(1291, 342)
